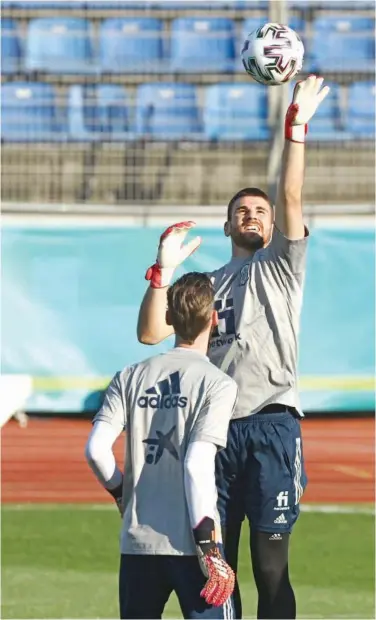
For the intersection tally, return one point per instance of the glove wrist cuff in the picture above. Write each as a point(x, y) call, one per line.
point(296, 133)
point(204, 535)
point(159, 277)
point(117, 493)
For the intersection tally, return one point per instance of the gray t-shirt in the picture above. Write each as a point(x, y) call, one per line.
point(259, 301)
point(164, 404)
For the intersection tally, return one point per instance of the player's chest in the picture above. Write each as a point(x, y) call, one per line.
point(241, 300)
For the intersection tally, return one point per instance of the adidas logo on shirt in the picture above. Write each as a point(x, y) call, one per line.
point(280, 519)
point(165, 395)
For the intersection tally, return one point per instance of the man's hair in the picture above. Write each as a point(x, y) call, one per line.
point(247, 191)
point(190, 303)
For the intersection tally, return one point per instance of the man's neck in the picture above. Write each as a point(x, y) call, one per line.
point(238, 252)
point(200, 344)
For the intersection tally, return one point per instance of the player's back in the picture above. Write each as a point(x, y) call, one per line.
point(163, 397)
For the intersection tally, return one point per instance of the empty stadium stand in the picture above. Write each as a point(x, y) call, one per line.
point(11, 52)
point(29, 112)
point(59, 45)
point(228, 115)
point(148, 101)
point(343, 43)
point(131, 45)
point(202, 44)
point(167, 111)
point(361, 110)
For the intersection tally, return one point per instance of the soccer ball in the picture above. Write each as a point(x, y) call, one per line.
point(273, 54)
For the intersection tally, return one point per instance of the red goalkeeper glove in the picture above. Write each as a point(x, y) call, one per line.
point(221, 578)
point(307, 97)
point(171, 253)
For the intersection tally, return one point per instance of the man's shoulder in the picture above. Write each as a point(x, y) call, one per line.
point(219, 271)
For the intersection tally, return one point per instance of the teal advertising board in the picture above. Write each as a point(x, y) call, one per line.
point(70, 299)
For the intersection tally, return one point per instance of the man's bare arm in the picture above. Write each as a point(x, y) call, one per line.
point(308, 95)
point(289, 207)
point(151, 326)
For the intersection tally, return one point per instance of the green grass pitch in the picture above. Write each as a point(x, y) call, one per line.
point(62, 562)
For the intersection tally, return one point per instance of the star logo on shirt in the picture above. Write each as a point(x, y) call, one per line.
point(159, 445)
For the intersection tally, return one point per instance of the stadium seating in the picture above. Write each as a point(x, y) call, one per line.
point(11, 51)
point(361, 110)
point(131, 45)
point(98, 113)
point(58, 4)
point(59, 45)
point(342, 43)
point(235, 112)
point(199, 45)
point(29, 113)
point(351, 5)
point(167, 111)
point(328, 124)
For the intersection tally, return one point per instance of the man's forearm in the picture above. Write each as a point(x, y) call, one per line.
point(288, 217)
point(151, 326)
point(199, 481)
point(100, 456)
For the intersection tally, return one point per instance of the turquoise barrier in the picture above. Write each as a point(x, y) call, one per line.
point(70, 300)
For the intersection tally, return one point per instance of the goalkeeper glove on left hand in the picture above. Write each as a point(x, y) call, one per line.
point(307, 97)
point(221, 578)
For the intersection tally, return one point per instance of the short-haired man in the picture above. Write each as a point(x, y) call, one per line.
point(258, 299)
point(175, 409)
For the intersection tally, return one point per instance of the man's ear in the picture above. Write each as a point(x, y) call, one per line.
point(227, 229)
point(168, 317)
point(215, 319)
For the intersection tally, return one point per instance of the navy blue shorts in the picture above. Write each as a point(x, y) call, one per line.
point(260, 474)
point(146, 582)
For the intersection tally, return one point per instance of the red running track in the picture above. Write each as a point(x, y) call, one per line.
point(45, 461)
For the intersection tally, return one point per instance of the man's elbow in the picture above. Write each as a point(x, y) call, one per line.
point(145, 337)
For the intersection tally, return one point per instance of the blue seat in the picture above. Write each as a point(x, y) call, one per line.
point(202, 45)
point(98, 112)
point(332, 4)
point(131, 45)
point(58, 4)
point(247, 4)
point(119, 4)
point(11, 52)
point(29, 113)
point(361, 110)
point(235, 112)
point(183, 5)
point(342, 43)
point(167, 111)
point(328, 123)
point(59, 45)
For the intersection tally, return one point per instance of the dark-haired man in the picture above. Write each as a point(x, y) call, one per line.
point(258, 300)
point(175, 409)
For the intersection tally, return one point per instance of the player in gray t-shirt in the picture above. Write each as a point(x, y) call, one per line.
point(258, 298)
point(175, 409)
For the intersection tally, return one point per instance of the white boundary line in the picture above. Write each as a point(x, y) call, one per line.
point(363, 509)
